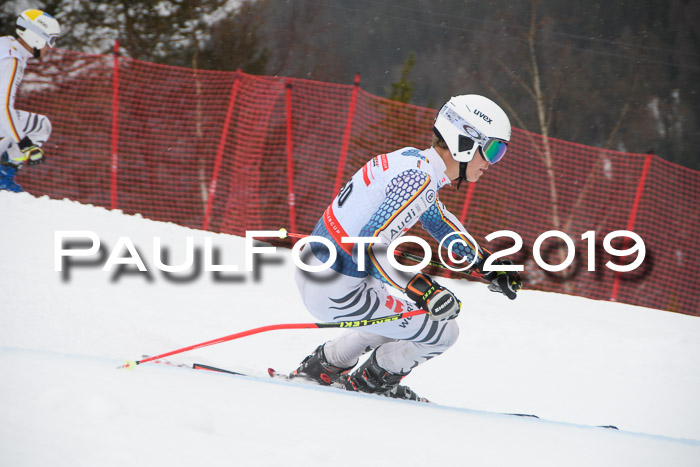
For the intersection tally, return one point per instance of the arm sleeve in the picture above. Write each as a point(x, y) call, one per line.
point(439, 223)
point(406, 199)
point(9, 125)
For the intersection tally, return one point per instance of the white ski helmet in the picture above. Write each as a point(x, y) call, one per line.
point(471, 121)
point(38, 28)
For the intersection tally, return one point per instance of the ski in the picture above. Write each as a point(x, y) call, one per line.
point(274, 374)
point(194, 366)
point(284, 377)
point(167, 362)
point(201, 366)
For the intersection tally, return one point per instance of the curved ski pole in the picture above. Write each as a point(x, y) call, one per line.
point(341, 324)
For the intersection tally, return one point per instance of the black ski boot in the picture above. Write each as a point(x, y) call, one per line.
point(316, 368)
point(372, 378)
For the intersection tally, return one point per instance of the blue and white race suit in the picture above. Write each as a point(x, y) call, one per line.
point(384, 199)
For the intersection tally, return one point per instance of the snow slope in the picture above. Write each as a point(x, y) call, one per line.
point(574, 362)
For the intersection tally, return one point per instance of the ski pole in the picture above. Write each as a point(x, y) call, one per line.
point(409, 256)
point(274, 327)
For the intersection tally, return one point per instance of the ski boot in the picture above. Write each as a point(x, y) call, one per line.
point(372, 378)
point(316, 368)
point(7, 178)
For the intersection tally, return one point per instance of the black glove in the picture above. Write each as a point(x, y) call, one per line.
point(506, 282)
point(31, 153)
point(439, 302)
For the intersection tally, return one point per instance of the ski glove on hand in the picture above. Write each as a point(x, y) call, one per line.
point(31, 153)
point(506, 282)
point(439, 302)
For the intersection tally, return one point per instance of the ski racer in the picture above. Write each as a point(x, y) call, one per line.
point(383, 199)
point(22, 133)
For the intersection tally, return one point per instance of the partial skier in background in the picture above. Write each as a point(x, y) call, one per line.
point(384, 199)
point(22, 133)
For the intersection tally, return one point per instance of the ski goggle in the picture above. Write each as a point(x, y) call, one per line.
point(493, 149)
point(49, 38)
point(52, 41)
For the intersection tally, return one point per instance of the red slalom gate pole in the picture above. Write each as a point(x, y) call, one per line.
point(274, 327)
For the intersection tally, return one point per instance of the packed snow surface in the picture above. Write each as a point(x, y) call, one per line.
point(576, 363)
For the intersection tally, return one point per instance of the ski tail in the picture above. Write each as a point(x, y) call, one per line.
point(201, 366)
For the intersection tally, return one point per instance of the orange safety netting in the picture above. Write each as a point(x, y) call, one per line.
point(231, 152)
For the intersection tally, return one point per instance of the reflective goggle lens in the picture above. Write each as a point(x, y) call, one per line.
point(494, 150)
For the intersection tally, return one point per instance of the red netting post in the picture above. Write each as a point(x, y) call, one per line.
point(115, 126)
point(290, 159)
point(220, 151)
point(346, 136)
point(632, 219)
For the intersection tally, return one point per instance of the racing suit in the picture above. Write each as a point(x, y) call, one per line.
point(383, 199)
